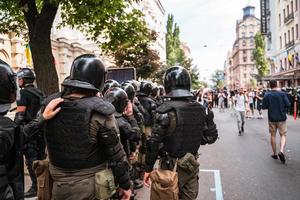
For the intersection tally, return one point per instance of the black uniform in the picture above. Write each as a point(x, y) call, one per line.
point(180, 128)
point(11, 160)
point(34, 148)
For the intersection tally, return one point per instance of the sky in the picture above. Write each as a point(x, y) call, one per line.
point(208, 27)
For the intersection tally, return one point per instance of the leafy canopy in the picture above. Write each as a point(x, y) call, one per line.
point(111, 24)
point(259, 55)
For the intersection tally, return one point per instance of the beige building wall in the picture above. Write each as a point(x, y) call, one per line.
point(243, 66)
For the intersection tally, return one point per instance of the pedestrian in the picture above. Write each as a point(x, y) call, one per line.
point(11, 140)
point(277, 103)
point(27, 107)
point(259, 97)
point(221, 98)
point(240, 109)
point(180, 128)
point(251, 103)
point(82, 140)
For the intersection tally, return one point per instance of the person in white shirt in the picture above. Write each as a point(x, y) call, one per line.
point(240, 109)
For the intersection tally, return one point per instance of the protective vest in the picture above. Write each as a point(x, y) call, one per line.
point(68, 136)
point(149, 108)
point(36, 103)
point(190, 123)
point(11, 160)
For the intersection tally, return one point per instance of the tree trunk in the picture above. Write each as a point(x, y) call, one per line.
point(46, 75)
point(39, 26)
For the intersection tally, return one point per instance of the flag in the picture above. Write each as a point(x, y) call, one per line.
point(28, 55)
point(295, 110)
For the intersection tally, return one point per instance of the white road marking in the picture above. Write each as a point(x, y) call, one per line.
point(218, 184)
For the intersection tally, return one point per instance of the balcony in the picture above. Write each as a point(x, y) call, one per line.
point(290, 44)
point(289, 18)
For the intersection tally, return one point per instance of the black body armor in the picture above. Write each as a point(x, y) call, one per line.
point(35, 106)
point(128, 134)
point(149, 109)
point(11, 157)
point(190, 123)
point(67, 134)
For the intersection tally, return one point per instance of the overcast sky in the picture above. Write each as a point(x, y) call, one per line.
point(208, 23)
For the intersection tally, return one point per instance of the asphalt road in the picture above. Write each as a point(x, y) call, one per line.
point(241, 167)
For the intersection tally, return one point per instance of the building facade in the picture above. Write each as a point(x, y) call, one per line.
point(68, 43)
point(228, 72)
point(283, 41)
point(154, 15)
point(242, 68)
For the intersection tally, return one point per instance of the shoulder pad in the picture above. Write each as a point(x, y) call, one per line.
point(6, 122)
point(164, 108)
point(103, 107)
point(51, 97)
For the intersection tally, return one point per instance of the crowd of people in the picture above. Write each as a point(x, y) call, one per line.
point(222, 98)
point(100, 139)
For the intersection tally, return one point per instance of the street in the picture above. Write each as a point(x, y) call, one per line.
point(247, 171)
point(243, 164)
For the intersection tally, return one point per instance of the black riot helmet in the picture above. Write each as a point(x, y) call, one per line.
point(146, 88)
point(109, 84)
point(8, 86)
point(26, 74)
point(130, 91)
point(177, 82)
point(117, 97)
point(155, 90)
point(87, 72)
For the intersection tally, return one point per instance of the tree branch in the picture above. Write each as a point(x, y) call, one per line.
point(30, 12)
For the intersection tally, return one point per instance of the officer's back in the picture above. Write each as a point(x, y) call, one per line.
point(83, 138)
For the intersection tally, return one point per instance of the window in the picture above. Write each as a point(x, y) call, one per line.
point(251, 42)
point(245, 75)
point(279, 18)
point(244, 59)
point(288, 10)
point(244, 51)
point(285, 64)
point(289, 37)
point(243, 34)
point(297, 34)
point(283, 13)
point(280, 39)
point(285, 38)
point(296, 5)
point(292, 6)
point(293, 35)
point(244, 43)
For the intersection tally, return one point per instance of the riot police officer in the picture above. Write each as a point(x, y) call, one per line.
point(148, 104)
point(11, 139)
point(109, 84)
point(82, 139)
point(181, 126)
point(130, 132)
point(27, 107)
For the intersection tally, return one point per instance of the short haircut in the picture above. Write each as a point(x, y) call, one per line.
point(273, 84)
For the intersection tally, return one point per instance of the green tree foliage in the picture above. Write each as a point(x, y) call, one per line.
point(218, 79)
point(110, 20)
point(141, 56)
point(174, 52)
point(259, 55)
